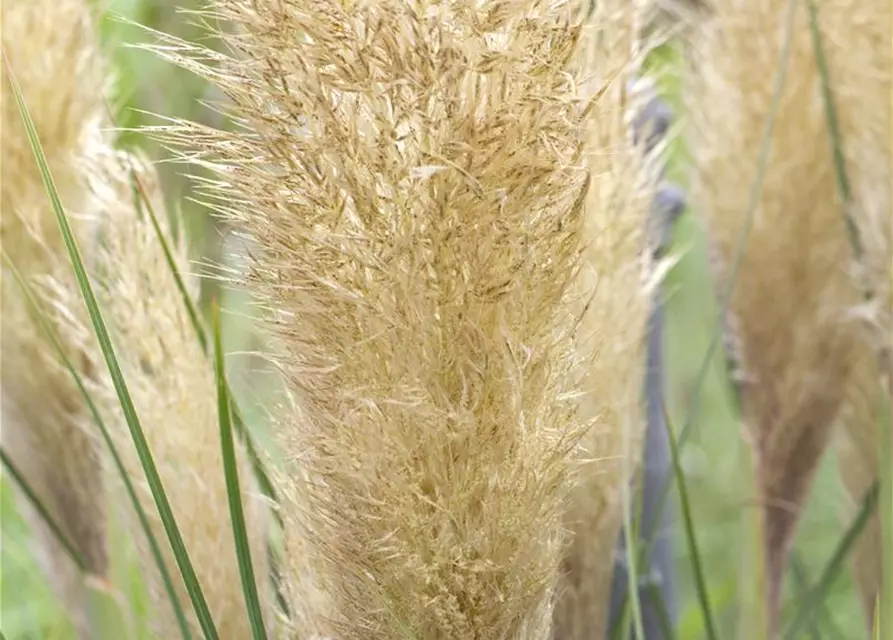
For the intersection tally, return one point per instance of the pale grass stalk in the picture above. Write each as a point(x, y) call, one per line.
point(414, 177)
point(618, 280)
point(52, 47)
point(795, 289)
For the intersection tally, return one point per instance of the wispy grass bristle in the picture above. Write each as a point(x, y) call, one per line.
point(173, 387)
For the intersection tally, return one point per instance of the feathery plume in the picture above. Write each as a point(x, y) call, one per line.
point(859, 454)
point(53, 47)
point(794, 285)
point(615, 274)
point(173, 388)
point(413, 175)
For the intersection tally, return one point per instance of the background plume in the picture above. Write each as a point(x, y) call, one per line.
point(52, 46)
point(795, 285)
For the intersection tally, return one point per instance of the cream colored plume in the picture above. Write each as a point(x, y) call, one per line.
point(173, 388)
point(858, 44)
point(414, 176)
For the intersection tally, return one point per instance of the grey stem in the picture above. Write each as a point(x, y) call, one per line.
point(659, 573)
point(657, 580)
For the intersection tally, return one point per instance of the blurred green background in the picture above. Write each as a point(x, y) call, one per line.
point(712, 458)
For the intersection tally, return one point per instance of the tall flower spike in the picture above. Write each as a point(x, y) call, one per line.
point(173, 388)
point(412, 173)
point(794, 287)
point(615, 278)
point(46, 432)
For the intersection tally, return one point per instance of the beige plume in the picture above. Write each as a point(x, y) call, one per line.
point(616, 280)
point(414, 176)
point(173, 387)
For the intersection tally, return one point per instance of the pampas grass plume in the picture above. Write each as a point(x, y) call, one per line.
point(857, 42)
point(615, 278)
point(173, 388)
point(414, 177)
point(170, 379)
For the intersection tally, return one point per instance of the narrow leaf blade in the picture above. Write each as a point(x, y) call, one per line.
point(44, 513)
point(234, 494)
point(818, 593)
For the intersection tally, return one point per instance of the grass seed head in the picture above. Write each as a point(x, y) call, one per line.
point(414, 177)
point(614, 279)
point(173, 388)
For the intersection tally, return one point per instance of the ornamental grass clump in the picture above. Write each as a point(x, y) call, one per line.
point(48, 433)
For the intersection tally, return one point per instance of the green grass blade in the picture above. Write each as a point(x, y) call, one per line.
point(689, 527)
point(801, 582)
point(666, 626)
point(143, 201)
point(620, 629)
point(266, 486)
point(632, 578)
point(53, 337)
point(139, 439)
point(44, 513)
point(843, 183)
point(799, 575)
point(818, 593)
point(234, 494)
point(885, 604)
